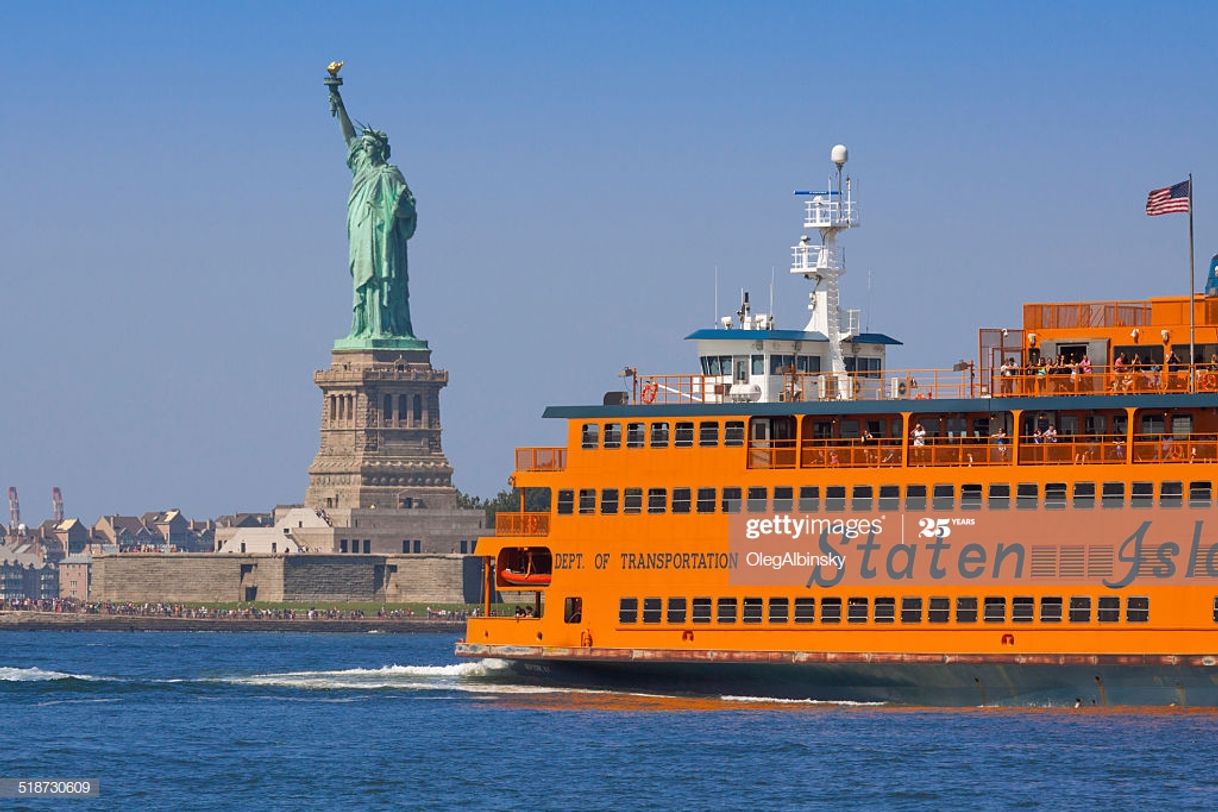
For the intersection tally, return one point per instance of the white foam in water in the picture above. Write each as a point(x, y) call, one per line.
point(774, 700)
point(38, 675)
point(411, 677)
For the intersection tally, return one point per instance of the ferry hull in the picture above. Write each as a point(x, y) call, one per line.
point(927, 680)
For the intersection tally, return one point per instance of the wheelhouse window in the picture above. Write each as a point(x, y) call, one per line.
point(659, 435)
point(685, 435)
point(589, 436)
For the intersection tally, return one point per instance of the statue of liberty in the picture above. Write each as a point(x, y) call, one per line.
point(381, 218)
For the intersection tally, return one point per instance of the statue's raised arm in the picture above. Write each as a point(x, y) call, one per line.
point(337, 108)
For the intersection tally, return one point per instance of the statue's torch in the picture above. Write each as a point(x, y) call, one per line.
point(333, 82)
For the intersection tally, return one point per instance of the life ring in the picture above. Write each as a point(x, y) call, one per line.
point(650, 391)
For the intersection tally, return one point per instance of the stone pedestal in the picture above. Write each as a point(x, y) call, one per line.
point(380, 434)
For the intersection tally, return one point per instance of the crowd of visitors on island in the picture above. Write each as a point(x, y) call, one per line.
point(1134, 372)
point(177, 610)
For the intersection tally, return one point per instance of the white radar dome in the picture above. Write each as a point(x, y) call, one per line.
point(839, 154)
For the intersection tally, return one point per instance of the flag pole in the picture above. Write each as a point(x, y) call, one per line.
point(1192, 295)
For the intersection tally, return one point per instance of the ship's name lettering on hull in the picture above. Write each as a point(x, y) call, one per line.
point(679, 561)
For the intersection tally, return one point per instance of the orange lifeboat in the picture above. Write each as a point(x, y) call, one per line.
point(525, 579)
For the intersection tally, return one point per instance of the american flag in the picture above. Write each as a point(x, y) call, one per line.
point(1169, 199)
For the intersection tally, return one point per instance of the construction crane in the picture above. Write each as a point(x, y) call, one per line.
point(56, 504)
point(14, 510)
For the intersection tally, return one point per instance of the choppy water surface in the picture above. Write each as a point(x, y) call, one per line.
point(318, 721)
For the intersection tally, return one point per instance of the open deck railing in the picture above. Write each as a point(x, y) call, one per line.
point(1112, 380)
point(522, 524)
point(854, 453)
point(541, 459)
point(1175, 448)
point(1076, 449)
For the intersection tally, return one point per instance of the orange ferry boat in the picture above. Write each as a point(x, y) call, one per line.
point(797, 520)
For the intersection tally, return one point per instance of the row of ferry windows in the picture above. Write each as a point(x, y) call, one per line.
point(659, 436)
point(761, 499)
point(911, 609)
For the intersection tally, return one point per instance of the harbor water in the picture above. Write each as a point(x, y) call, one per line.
point(258, 720)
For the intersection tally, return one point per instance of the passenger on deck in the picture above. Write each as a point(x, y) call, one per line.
point(999, 438)
point(1049, 435)
point(1007, 375)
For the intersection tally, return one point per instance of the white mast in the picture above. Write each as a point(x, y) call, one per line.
point(828, 212)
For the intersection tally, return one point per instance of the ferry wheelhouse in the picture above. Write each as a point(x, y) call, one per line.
point(797, 519)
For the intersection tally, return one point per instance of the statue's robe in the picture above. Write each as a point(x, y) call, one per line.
point(381, 217)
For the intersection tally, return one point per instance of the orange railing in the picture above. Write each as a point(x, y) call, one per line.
point(679, 389)
point(893, 384)
point(855, 453)
point(522, 524)
point(771, 454)
point(1112, 380)
point(1090, 449)
point(1172, 448)
point(541, 459)
point(950, 451)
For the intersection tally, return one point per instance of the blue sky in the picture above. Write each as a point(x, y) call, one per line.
point(172, 255)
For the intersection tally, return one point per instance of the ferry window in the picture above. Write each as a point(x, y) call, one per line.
point(856, 610)
point(1113, 495)
point(731, 500)
point(835, 497)
point(1137, 609)
point(809, 498)
point(659, 435)
point(613, 435)
point(702, 610)
point(1198, 494)
point(970, 497)
point(566, 501)
point(752, 610)
point(807, 363)
point(657, 500)
point(915, 497)
point(966, 610)
point(587, 500)
point(779, 610)
point(995, 610)
point(1142, 495)
point(634, 501)
point(685, 435)
point(805, 609)
point(676, 610)
point(628, 610)
point(860, 497)
point(1084, 495)
point(940, 610)
point(784, 499)
point(726, 610)
point(1050, 610)
point(890, 497)
point(885, 610)
point(911, 610)
point(1027, 494)
point(705, 364)
point(1080, 610)
point(1171, 494)
point(781, 364)
point(1109, 610)
point(758, 364)
point(758, 500)
point(634, 435)
point(706, 500)
point(944, 497)
point(733, 433)
point(1055, 495)
point(652, 610)
point(830, 610)
point(1022, 609)
point(589, 436)
point(680, 500)
point(1000, 496)
point(708, 433)
point(609, 501)
point(573, 610)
